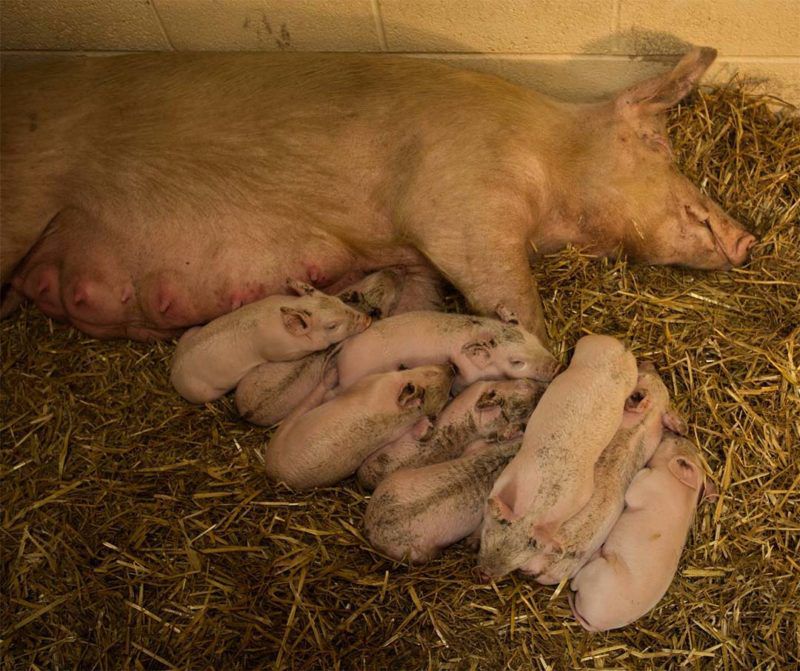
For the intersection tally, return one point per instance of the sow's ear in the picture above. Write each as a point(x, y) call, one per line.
point(296, 321)
point(674, 422)
point(411, 396)
point(479, 352)
point(660, 93)
point(300, 288)
point(686, 472)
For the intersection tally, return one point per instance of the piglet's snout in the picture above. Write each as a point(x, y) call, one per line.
point(480, 576)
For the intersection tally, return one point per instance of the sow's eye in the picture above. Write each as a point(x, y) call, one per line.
point(517, 363)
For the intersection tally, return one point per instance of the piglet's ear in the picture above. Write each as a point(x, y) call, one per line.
point(710, 492)
point(478, 352)
point(489, 399)
point(674, 422)
point(300, 288)
point(423, 430)
point(637, 402)
point(686, 472)
point(296, 322)
point(500, 511)
point(351, 297)
point(411, 396)
point(507, 315)
point(658, 94)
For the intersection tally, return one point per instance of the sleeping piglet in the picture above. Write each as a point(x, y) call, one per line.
point(272, 390)
point(647, 412)
point(319, 445)
point(552, 477)
point(635, 566)
point(491, 409)
point(210, 360)
point(416, 512)
point(481, 348)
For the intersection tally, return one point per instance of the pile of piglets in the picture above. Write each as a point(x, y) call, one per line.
point(461, 429)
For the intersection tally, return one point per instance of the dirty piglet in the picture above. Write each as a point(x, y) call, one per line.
point(490, 409)
point(210, 360)
point(319, 445)
point(647, 413)
point(635, 566)
point(272, 390)
point(416, 512)
point(552, 477)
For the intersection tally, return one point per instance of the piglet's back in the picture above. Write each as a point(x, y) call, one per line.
point(396, 339)
point(577, 416)
point(641, 554)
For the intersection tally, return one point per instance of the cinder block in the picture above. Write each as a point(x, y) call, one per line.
point(270, 25)
point(734, 27)
point(80, 24)
point(519, 26)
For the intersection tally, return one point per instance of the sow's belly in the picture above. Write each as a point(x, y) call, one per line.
point(151, 279)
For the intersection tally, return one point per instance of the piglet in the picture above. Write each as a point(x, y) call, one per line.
point(269, 392)
point(480, 347)
point(552, 477)
point(319, 445)
point(416, 512)
point(211, 360)
point(635, 566)
point(491, 409)
point(647, 413)
point(378, 294)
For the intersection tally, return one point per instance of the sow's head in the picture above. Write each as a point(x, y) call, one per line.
point(636, 192)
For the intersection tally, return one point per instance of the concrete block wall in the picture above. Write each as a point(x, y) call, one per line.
point(574, 49)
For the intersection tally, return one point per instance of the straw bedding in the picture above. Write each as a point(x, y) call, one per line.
point(139, 533)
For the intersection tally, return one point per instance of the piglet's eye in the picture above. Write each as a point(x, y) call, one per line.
point(332, 327)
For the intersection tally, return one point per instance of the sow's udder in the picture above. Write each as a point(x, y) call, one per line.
point(112, 287)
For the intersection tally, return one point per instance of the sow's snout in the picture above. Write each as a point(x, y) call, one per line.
point(733, 241)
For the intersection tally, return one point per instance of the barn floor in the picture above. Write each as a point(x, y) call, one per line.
point(138, 532)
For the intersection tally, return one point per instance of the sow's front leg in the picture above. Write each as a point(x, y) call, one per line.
point(482, 251)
